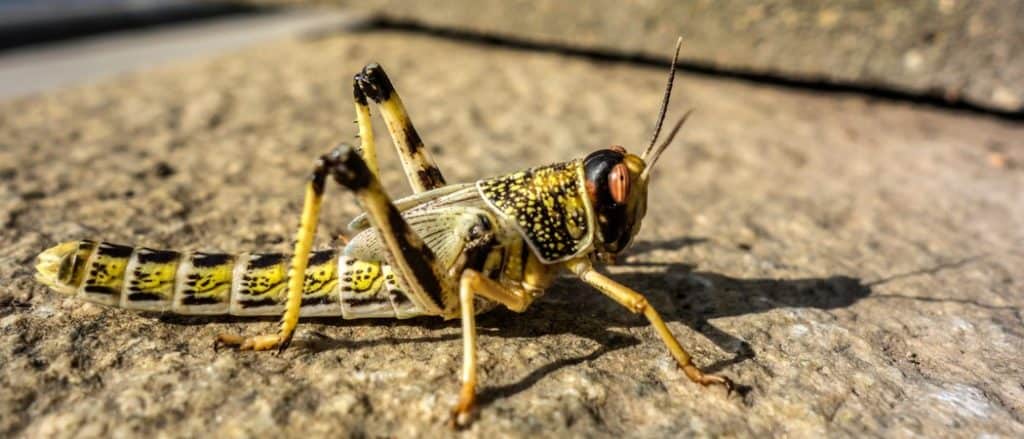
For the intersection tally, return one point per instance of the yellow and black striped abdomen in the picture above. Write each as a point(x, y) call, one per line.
point(201, 283)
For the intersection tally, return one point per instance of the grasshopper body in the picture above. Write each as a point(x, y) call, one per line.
point(353, 282)
point(451, 251)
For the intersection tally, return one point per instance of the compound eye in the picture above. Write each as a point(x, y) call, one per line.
point(618, 183)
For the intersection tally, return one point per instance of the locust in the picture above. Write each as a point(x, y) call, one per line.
point(448, 250)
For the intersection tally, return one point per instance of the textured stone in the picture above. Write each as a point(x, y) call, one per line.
point(854, 263)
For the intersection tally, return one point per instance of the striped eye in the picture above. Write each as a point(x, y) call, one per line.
point(618, 183)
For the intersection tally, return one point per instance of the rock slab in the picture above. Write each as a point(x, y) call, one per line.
point(854, 263)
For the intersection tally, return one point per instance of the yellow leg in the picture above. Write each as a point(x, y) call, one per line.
point(367, 146)
point(467, 396)
point(470, 284)
point(419, 167)
point(637, 303)
point(296, 276)
point(516, 301)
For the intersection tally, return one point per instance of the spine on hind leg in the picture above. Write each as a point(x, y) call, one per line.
point(191, 283)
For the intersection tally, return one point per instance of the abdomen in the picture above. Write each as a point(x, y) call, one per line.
point(200, 283)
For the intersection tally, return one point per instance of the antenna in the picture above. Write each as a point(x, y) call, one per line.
point(664, 101)
point(661, 148)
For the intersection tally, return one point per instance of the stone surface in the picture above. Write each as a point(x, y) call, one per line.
point(961, 51)
point(854, 263)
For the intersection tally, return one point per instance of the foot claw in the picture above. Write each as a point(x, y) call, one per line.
point(228, 340)
point(462, 414)
point(708, 380)
point(461, 417)
point(255, 343)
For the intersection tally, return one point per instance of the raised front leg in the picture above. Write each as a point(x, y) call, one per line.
point(637, 303)
point(420, 169)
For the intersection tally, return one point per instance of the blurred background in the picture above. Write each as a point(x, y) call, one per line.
point(950, 52)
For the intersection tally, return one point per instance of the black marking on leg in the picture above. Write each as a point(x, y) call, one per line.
point(412, 137)
point(431, 177)
point(348, 168)
point(318, 178)
point(375, 83)
point(285, 343)
point(357, 91)
point(419, 259)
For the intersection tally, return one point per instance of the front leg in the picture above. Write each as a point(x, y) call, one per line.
point(637, 303)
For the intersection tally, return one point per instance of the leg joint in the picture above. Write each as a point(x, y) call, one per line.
point(374, 83)
point(347, 168)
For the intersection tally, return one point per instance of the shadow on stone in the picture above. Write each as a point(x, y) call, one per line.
point(698, 296)
point(570, 307)
point(612, 343)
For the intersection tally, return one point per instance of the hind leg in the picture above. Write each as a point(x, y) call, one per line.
point(420, 169)
point(296, 276)
point(409, 256)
